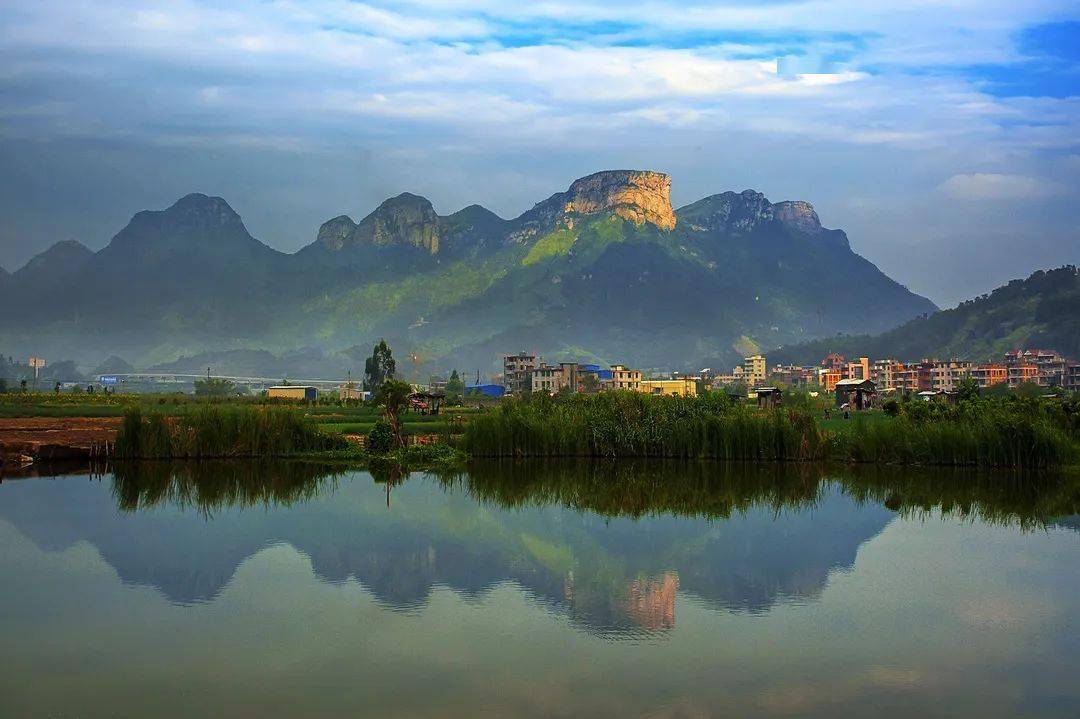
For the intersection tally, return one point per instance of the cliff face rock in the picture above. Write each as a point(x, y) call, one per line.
point(639, 196)
point(334, 233)
point(799, 215)
point(740, 213)
point(403, 220)
point(729, 212)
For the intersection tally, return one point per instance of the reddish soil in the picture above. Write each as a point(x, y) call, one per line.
point(55, 437)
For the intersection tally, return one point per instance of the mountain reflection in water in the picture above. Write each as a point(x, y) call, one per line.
point(607, 545)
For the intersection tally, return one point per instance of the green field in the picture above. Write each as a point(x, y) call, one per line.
point(335, 419)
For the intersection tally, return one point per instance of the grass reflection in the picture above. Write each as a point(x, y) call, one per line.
point(633, 489)
point(212, 485)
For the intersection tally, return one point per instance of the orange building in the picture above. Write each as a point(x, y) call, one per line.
point(828, 378)
point(1019, 374)
point(988, 375)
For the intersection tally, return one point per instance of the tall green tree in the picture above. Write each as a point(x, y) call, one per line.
point(379, 367)
point(455, 388)
point(393, 397)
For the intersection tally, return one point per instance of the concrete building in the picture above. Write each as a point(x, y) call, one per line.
point(291, 391)
point(546, 378)
point(988, 375)
point(947, 376)
point(1052, 367)
point(833, 361)
point(885, 374)
point(859, 369)
point(736, 377)
point(681, 387)
point(793, 375)
point(754, 370)
point(352, 392)
point(1022, 374)
point(623, 378)
point(828, 378)
point(516, 372)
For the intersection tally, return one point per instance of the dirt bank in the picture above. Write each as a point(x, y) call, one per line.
point(55, 438)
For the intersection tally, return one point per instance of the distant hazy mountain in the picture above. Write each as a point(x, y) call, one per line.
point(113, 365)
point(52, 267)
point(607, 269)
point(1042, 311)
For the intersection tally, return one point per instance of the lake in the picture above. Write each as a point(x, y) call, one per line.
point(633, 589)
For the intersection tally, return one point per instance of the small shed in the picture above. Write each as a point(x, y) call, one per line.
point(426, 402)
point(856, 393)
point(293, 391)
point(768, 397)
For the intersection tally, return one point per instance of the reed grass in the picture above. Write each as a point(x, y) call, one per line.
point(626, 424)
point(221, 431)
point(631, 424)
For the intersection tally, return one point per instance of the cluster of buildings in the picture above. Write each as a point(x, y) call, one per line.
point(1045, 368)
point(525, 372)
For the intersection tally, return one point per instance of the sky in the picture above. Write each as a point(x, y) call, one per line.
point(942, 135)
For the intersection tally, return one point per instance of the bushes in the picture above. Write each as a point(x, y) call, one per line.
point(221, 431)
point(380, 440)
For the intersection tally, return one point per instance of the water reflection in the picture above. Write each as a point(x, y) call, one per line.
point(609, 546)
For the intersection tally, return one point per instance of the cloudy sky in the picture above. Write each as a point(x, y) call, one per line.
point(943, 135)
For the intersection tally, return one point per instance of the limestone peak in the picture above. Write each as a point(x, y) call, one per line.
point(799, 215)
point(639, 196)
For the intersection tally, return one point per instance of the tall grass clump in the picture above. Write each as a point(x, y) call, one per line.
point(631, 424)
point(979, 433)
point(218, 431)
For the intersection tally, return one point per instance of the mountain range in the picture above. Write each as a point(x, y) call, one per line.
point(1041, 311)
point(607, 270)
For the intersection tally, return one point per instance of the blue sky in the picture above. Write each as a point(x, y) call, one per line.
point(943, 136)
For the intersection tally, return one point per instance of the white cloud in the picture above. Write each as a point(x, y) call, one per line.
point(992, 186)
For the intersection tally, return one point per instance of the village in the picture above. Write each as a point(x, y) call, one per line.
point(856, 382)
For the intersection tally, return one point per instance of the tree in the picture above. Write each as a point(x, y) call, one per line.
point(590, 383)
point(379, 367)
point(393, 397)
point(968, 389)
point(455, 388)
point(214, 387)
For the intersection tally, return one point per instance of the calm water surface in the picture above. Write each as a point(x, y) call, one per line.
point(630, 590)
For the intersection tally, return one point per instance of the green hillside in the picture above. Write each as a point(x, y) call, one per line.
point(1042, 311)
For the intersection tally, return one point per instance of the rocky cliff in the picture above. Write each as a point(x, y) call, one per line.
point(640, 196)
point(799, 215)
point(745, 211)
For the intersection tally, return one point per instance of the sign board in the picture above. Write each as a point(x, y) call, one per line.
point(36, 362)
point(108, 379)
